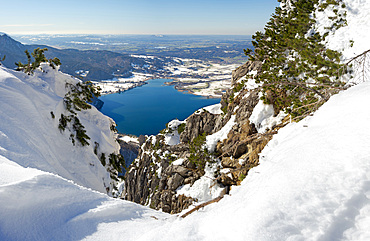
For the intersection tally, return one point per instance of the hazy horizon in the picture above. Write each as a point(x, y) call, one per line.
point(141, 17)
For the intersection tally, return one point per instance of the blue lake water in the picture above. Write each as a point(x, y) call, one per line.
point(145, 110)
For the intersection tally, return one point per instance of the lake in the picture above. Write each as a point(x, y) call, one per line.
point(145, 110)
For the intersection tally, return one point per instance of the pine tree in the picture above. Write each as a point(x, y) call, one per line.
point(298, 73)
point(39, 57)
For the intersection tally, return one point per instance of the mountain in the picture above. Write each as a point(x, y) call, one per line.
point(99, 65)
point(268, 174)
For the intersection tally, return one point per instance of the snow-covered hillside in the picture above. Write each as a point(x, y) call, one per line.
point(30, 137)
point(312, 184)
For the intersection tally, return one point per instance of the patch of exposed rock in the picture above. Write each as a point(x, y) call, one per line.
point(241, 71)
point(129, 151)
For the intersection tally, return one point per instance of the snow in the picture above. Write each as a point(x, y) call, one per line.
point(358, 28)
point(214, 109)
point(202, 77)
point(313, 181)
point(205, 188)
point(129, 139)
point(356, 32)
point(263, 117)
point(172, 137)
point(312, 184)
point(30, 136)
point(174, 124)
point(43, 206)
point(8, 168)
point(122, 84)
point(212, 140)
point(178, 162)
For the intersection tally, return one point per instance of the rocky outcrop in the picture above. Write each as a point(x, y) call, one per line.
point(153, 181)
point(202, 122)
point(129, 151)
point(241, 71)
point(161, 170)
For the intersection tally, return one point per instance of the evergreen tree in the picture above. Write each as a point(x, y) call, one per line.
point(39, 57)
point(298, 72)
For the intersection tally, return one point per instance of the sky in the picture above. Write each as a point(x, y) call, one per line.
point(224, 17)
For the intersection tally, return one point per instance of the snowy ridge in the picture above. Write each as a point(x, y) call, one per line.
point(30, 136)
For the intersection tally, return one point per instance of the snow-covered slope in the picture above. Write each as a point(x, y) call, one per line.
point(30, 137)
point(36, 205)
point(312, 184)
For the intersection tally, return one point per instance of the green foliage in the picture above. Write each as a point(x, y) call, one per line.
point(80, 131)
point(170, 158)
point(241, 177)
point(52, 114)
point(181, 128)
point(102, 159)
point(63, 121)
point(113, 128)
point(238, 86)
point(351, 42)
point(80, 95)
point(117, 161)
point(39, 57)
point(96, 147)
point(298, 70)
point(199, 155)
point(224, 109)
point(76, 100)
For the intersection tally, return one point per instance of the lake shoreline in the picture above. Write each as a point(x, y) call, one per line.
point(146, 110)
point(122, 85)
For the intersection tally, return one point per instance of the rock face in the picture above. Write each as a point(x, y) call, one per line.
point(161, 170)
point(244, 69)
point(197, 124)
point(129, 151)
point(153, 181)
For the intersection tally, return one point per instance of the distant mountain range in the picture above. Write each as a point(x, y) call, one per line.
point(91, 64)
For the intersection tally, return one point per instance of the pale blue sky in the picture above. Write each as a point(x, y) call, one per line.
point(135, 16)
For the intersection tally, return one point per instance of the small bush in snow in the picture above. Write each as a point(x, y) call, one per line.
point(199, 155)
